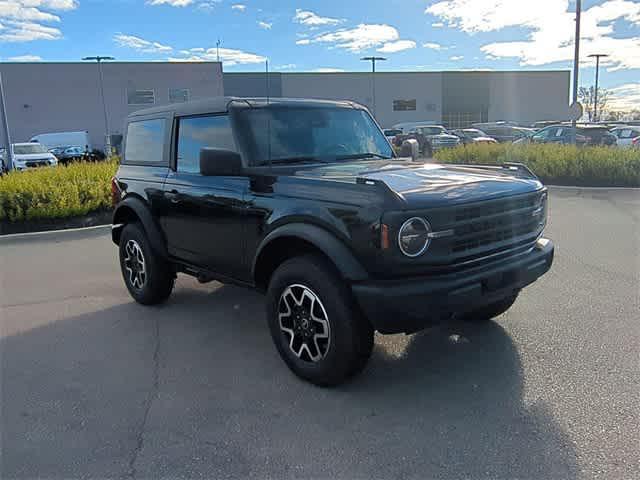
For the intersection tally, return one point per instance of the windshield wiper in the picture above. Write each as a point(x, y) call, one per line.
point(363, 155)
point(286, 161)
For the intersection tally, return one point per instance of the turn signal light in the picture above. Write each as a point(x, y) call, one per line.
point(384, 237)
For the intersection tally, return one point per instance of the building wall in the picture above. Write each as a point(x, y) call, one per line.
point(55, 97)
point(529, 96)
point(425, 88)
point(447, 97)
point(238, 84)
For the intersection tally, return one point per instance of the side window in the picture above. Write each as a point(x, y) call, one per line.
point(195, 133)
point(560, 132)
point(627, 133)
point(145, 141)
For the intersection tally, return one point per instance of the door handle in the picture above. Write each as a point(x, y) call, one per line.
point(173, 196)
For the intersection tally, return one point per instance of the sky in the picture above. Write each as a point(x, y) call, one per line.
point(333, 35)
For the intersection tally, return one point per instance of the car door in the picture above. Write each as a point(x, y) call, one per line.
point(204, 220)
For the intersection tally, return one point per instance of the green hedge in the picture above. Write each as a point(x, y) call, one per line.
point(558, 164)
point(61, 192)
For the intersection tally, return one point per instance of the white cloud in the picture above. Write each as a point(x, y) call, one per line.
point(327, 70)
point(456, 58)
point(28, 32)
point(357, 39)
point(433, 46)
point(311, 19)
point(625, 97)
point(228, 56)
point(24, 20)
point(551, 27)
point(437, 25)
point(398, 46)
point(172, 3)
point(303, 41)
point(140, 44)
point(239, 7)
point(25, 58)
point(265, 25)
point(288, 66)
point(208, 5)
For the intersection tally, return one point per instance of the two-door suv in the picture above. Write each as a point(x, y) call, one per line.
point(306, 201)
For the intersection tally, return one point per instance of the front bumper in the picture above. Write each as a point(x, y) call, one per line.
point(410, 305)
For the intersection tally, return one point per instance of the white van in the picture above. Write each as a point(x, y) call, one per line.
point(63, 139)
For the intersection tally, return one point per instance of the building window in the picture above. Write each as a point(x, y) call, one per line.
point(179, 95)
point(196, 133)
point(404, 105)
point(141, 97)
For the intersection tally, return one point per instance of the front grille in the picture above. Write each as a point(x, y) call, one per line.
point(37, 163)
point(495, 225)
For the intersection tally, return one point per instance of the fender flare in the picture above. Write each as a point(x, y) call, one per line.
point(154, 234)
point(343, 259)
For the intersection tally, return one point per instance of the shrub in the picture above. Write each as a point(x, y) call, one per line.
point(559, 164)
point(61, 192)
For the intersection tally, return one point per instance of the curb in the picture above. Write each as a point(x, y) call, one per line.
point(597, 189)
point(48, 233)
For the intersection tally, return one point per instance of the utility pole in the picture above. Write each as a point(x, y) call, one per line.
point(99, 60)
point(373, 61)
point(5, 129)
point(576, 66)
point(597, 56)
point(218, 50)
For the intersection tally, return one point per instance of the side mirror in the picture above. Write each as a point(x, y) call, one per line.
point(410, 148)
point(215, 162)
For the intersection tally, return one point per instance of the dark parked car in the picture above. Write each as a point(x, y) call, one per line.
point(506, 133)
point(69, 154)
point(584, 135)
point(304, 200)
point(473, 136)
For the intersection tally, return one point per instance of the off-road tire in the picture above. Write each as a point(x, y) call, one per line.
point(350, 335)
point(159, 277)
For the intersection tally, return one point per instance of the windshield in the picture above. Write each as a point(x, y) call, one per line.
point(29, 149)
point(431, 130)
point(286, 135)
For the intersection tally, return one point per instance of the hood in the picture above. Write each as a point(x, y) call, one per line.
point(429, 185)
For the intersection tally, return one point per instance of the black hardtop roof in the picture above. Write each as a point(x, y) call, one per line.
point(221, 105)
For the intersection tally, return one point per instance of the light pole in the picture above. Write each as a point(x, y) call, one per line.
point(597, 56)
point(5, 123)
point(576, 66)
point(373, 61)
point(99, 60)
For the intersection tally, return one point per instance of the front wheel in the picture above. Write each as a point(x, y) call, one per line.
point(147, 276)
point(314, 322)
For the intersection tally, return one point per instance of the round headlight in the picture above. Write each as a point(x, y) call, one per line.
point(413, 238)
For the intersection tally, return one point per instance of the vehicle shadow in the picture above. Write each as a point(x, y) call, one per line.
point(195, 388)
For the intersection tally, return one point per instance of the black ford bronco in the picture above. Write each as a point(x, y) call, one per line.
point(306, 201)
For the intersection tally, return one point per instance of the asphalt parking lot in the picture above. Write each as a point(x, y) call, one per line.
point(95, 386)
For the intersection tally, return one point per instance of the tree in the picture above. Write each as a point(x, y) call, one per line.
point(587, 98)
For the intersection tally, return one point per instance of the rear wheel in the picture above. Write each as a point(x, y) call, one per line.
point(314, 323)
point(490, 311)
point(147, 276)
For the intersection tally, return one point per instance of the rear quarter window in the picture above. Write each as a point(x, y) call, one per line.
point(145, 142)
